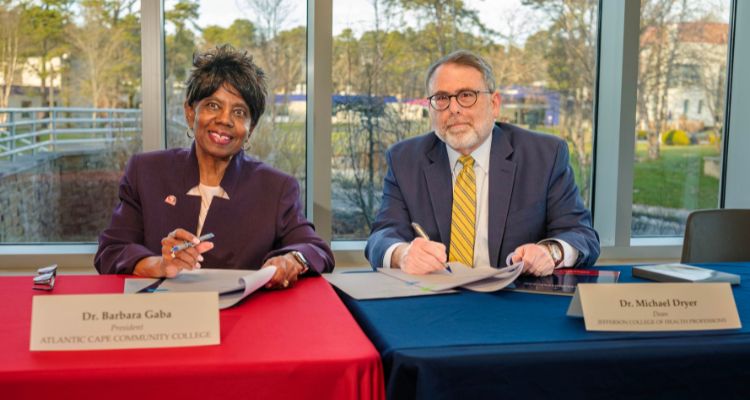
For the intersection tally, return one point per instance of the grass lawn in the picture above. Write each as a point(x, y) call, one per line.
point(676, 179)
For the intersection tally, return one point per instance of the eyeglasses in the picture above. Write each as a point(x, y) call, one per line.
point(464, 98)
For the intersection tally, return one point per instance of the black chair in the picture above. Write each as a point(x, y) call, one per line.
point(716, 236)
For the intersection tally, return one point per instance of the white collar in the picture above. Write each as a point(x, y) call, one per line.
point(214, 191)
point(481, 155)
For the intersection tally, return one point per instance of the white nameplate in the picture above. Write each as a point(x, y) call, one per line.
point(655, 307)
point(124, 321)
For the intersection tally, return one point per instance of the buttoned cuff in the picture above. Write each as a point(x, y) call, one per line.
point(389, 254)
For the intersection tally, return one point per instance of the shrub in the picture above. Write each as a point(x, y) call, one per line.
point(641, 134)
point(713, 138)
point(675, 137)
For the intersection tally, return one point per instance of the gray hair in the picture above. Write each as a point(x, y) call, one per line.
point(468, 59)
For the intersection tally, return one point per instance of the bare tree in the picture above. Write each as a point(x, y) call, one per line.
point(10, 42)
point(101, 41)
point(367, 118)
point(571, 68)
point(380, 78)
point(46, 23)
point(660, 21)
point(269, 17)
point(445, 20)
point(710, 57)
point(280, 138)
point(513, 62)
point(702, 58)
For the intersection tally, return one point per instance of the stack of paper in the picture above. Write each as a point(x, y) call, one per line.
point(388, 283)
point(232, 285)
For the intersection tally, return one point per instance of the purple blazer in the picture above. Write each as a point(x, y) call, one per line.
point(262, 218)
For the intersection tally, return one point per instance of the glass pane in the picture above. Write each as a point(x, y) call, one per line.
point(543, 54)
point(274, 33)
point(679, 114)
point(70, 115)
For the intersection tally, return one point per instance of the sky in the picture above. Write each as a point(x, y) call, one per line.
point(507, 17)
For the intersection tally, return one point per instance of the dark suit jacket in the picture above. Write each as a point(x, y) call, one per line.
point(261, 219)
point(532, 195)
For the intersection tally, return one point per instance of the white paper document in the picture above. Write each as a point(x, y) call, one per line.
point(496, 282)
point(484, 279)
point(232, 285)
point(368, 285)
point(392, 283)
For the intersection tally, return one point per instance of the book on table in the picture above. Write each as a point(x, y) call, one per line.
point(683, 273)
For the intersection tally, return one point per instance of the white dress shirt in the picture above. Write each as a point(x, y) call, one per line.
point(207, 194)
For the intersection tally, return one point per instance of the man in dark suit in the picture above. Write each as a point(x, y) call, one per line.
point(484, 192)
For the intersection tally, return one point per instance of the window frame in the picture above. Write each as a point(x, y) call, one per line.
point(614, 121)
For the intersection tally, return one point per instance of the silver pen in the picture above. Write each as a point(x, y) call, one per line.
point(184, 245)
point(421, 233)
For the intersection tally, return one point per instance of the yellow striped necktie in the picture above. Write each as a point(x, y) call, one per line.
point(463, 214)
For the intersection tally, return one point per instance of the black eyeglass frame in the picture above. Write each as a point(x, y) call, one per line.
point(457, 96)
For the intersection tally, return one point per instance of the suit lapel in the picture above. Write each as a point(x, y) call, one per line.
point(502, 176)
point(188, 207)
point(440, 188)
point(221, 209)
point(229, 182)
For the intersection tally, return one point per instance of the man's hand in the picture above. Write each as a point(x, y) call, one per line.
point(536, 259)
point(421, 256)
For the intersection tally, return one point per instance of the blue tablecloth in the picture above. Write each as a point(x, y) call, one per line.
point(518, 345)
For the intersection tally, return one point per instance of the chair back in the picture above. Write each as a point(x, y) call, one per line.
point(717, 236)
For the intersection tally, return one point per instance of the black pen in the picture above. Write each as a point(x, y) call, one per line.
point(423, 235)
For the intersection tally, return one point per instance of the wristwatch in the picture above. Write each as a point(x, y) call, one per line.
point(300, 259)
point(555, 251)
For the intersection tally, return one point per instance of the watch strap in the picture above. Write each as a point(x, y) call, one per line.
point(555, 250)
point(302, 260)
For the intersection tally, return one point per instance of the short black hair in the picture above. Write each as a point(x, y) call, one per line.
point(224, 65)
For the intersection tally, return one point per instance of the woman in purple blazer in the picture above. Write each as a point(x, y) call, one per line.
point(174, 196)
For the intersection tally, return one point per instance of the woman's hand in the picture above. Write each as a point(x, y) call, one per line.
point(170, 263)
point(287, 271)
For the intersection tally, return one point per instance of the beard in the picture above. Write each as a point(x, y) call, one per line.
point(464, 138)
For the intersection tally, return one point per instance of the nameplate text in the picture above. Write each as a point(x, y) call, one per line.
point(124, 321)
point(655, 307)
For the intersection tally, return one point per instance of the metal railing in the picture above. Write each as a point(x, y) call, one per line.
point(30, 131)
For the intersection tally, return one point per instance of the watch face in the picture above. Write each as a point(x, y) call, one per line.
point(555, 252)
point(302, 260)
point(300, 257)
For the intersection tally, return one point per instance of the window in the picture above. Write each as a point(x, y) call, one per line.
point(678, 162)
point(71, 199)
point(685, 75)
point(69, 115)
point(543, 55)
point(274, 33)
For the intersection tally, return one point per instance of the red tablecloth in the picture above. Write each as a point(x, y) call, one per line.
point(290, 344)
